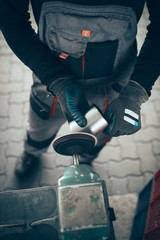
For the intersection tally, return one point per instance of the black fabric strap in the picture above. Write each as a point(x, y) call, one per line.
point(39, 144)
point(116, 87)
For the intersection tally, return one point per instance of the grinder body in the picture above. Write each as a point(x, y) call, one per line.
point(83, 205)
point(96, 122)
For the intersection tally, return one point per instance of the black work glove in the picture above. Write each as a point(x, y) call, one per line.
point(71, 98)
point(123, 114)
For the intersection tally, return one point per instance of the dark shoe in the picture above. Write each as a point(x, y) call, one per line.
point(88, 158)
point(26, 164)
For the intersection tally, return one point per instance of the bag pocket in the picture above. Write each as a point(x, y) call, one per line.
point(41, 108)
point(63, 42)
point(100, 58)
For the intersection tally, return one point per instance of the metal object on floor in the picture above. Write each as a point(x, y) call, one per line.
point(152, 227)
point(29, 214)
point(139, 221)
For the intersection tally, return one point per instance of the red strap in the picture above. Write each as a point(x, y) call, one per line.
point(53, 108)
point(106, 103)
point(107, 139)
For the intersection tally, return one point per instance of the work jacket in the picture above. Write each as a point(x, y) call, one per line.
point(17, 29)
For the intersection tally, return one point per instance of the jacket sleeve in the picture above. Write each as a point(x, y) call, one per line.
point(147, 68)
point(24, 42)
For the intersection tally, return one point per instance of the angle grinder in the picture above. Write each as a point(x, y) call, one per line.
point(83, 205)
point(81, 139)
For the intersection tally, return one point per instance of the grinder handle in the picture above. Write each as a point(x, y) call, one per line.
point(96, 122)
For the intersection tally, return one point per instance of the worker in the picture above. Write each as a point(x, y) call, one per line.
point(83, 53)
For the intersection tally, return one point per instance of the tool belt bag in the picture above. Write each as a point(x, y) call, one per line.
point(104, 34)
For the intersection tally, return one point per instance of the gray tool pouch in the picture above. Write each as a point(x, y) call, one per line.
point(108, 48)
point(40, 99)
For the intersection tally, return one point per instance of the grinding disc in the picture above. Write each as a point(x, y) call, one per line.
point(75, 143)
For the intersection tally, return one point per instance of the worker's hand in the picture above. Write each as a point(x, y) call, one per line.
point(123, 114)
point(72, 100)
point(76, 104)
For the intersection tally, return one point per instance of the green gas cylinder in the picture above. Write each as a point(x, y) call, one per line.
point(83, 205)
